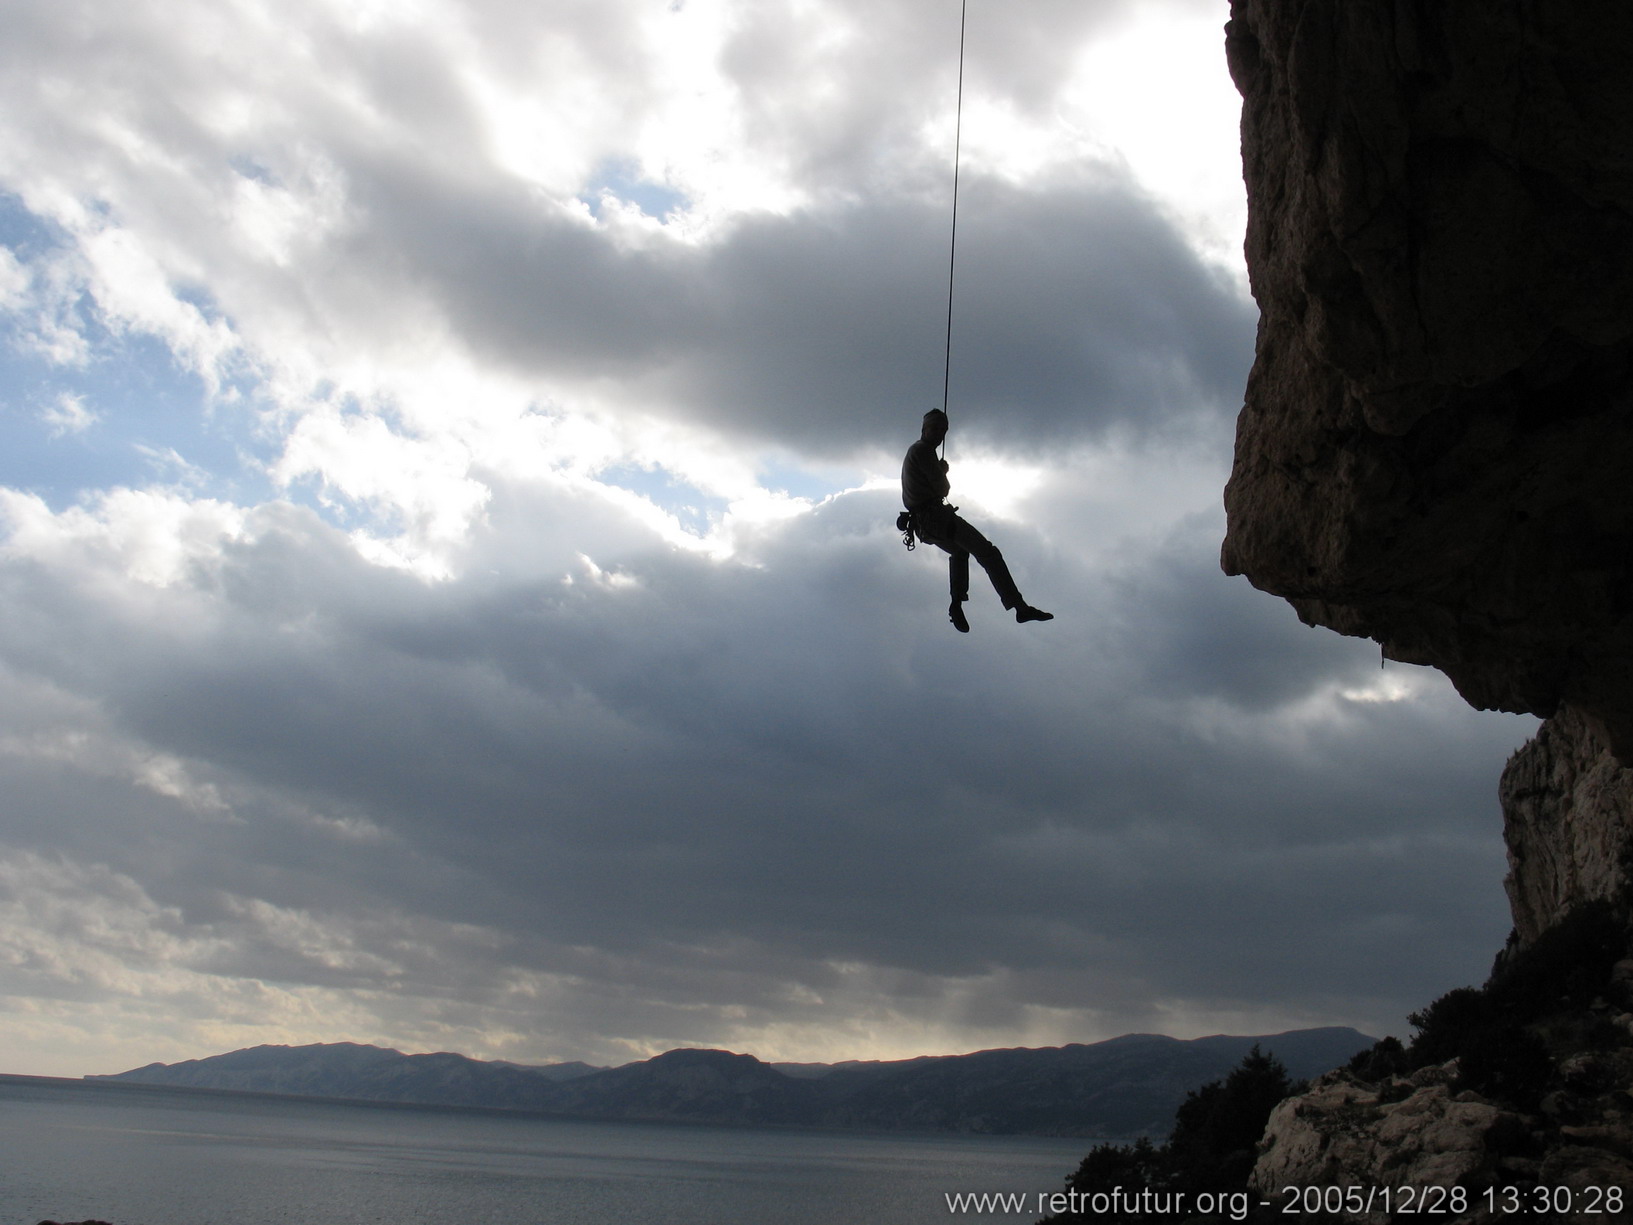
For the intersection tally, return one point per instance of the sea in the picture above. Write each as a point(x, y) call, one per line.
point(149, 1155)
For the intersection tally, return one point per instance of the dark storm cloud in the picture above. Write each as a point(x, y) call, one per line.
point(1237, 647)
point(797, 762)
point(1079, 310)
point(608, 794)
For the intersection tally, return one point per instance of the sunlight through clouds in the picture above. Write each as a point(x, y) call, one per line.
point(1154, 93)
point(450, 463)
point(149, 536)
point(996, 485)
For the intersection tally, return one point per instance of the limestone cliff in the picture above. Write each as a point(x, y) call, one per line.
point(1435, 452)
point(1568, 820)
point(1436, 444)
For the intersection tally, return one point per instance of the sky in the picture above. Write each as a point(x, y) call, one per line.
point(449, 593)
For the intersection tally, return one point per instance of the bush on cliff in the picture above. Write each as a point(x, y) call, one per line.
point(1501, 1034)
point(1211, 1149)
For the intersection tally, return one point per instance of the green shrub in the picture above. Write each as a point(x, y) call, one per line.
point(1565, 968)
point(1500, 1033)
point(1218, 1126)
point(1383, 1059)
point(1504, 1062)
point(1443, 1028)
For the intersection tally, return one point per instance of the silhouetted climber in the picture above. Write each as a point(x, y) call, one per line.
point(924, 490)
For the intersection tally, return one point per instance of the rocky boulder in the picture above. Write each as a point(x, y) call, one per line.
point(1412, 1132)
point(1420, 1137)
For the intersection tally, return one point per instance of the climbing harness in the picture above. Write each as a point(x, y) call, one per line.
point(911, 523)
point(907, 523)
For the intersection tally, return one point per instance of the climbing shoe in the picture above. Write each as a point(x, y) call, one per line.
point(955, 614)
point(1025, 612)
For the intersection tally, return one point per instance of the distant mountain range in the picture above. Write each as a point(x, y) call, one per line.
point(1119, 1089)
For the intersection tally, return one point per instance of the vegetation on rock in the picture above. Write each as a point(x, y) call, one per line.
point(1508, 1090)
point(1209, 1154)
point(1543, 1003)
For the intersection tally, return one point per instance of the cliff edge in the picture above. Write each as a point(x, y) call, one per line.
point(1435, 452)
point(1436, 443)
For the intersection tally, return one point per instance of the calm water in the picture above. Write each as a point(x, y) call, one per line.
point(138, 1156)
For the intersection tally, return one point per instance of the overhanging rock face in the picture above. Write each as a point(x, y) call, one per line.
point(1436, 449)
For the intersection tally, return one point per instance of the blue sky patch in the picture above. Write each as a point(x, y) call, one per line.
point(696, 511)
point(143, 421)
point(128, 415)
point(812, 483)
point(621, 178)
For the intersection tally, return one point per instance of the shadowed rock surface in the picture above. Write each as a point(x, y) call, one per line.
point(1567, 804)
point(1434, 452)
point(1435, 446)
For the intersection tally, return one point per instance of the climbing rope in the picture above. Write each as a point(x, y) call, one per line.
point(952, 256)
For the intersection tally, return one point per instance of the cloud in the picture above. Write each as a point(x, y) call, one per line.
point(474, 618)
point(741, 776)
point(67, 416)
point(1077, 313)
